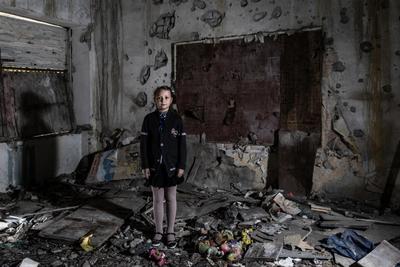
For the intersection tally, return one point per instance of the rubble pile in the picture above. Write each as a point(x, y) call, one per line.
point(107, 220)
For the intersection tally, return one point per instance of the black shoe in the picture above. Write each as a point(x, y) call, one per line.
point(156, 242)
point(171, 243)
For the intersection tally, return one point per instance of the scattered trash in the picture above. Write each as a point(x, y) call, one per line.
point(288, 262)
point(158, 257)
point(225, 227)
point(27, 262)
point(86, 243)
point(286, 205)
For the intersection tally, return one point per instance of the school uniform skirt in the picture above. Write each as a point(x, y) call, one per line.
point(160, 178)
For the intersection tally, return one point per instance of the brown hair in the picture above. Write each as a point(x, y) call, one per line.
point(165, 88)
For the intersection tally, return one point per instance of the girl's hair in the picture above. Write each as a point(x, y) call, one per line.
point(161, 88)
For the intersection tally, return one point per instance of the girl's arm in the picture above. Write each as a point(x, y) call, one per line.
point(181, 146)
point(144, 146)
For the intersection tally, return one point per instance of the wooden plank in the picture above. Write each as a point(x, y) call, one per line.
point(26, 44)
point(84, 220)
point(383, 255)
point(345, 224)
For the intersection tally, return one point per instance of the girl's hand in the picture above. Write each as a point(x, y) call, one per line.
point(180, 172)
point(146, 173)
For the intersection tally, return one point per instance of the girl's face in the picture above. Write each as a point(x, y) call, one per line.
point(163, 100)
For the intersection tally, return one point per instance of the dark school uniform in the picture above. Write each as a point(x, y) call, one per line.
point(163, 147)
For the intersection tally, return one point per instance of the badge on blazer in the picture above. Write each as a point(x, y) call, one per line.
point(174, 132)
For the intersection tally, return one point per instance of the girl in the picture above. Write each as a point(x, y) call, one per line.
point(163, 157)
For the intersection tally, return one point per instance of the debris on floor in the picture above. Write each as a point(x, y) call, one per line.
point(110, 222)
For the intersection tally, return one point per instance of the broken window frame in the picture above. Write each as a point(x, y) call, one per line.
point(9, 135)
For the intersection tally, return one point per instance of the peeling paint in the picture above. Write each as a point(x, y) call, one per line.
point(144, 74)
point(163, 26)
point(160, 60)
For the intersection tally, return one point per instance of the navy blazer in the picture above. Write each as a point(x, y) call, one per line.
point(170, 144)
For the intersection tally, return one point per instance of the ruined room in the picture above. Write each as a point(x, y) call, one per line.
point(289, 110)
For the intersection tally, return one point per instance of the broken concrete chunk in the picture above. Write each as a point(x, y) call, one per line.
point(259, 16)
point(286, 205)
point(243, 3)
point(144, 74)
point(276, 13)
point(383, 255)
point(263, 251)
point(200, 4)
point(141, 99)
point(163, 25)
point(213, 17)
point(161, 60)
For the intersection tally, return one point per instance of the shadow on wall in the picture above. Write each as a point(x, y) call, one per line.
point(39, 155)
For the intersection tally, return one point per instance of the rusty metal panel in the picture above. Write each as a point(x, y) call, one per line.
point(230, 89)
point(301, 102)
point(37, 101)
point(301, 99)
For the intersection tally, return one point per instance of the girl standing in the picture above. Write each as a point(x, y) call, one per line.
point(163, 158)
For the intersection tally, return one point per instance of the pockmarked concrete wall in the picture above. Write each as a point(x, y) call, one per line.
point(360, 78)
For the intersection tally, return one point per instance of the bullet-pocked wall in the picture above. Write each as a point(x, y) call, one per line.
point(360, 77)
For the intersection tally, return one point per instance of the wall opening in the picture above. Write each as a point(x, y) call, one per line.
point(266, 87)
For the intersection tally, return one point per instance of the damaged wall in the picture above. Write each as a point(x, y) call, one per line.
point(360, 133)
point(51, 156)
point(360, 72)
